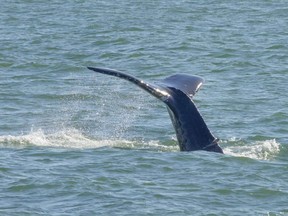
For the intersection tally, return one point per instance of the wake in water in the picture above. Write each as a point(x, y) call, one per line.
point(72, 138)
point(262, 150)
point(69, 138)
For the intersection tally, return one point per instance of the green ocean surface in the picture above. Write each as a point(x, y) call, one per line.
point(73, 142)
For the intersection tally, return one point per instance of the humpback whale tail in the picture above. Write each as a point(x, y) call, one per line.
point(176, 92)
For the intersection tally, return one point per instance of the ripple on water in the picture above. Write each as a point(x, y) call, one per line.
point(98, 146)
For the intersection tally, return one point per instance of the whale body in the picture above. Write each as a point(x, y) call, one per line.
point(177, 93)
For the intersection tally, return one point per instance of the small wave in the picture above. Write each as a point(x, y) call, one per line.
point(262, 150)
point(153, 145)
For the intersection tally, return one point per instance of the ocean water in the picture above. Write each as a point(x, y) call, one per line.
point(73, 142)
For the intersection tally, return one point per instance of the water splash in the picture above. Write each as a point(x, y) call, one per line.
point(67, 138)
point(262, 150)
point(73, 138)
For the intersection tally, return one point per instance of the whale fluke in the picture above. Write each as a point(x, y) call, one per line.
point(176, 92)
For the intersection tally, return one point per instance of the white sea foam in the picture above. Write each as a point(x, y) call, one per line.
point(68, 138)
point(72, 138)
point(262, 150)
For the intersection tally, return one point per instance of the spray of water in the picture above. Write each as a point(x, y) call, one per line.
point(73, 138)
point(262, 150)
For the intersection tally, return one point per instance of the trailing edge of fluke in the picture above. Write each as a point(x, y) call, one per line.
point(177, 92)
